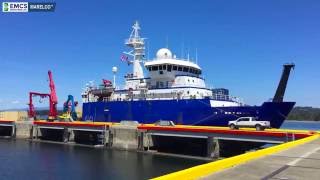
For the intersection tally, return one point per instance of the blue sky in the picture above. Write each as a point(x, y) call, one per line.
point(241, 45)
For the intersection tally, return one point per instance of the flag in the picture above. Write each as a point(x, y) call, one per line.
point(124, 58)
point(106, 82)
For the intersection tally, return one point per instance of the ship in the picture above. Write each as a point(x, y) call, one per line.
point(174, 90)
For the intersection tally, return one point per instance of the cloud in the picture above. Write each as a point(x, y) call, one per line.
point(15, 102)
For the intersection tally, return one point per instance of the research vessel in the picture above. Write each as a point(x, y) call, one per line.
point(173, 90)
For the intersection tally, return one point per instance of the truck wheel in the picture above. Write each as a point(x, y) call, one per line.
point(232, 126)
point(259, 127)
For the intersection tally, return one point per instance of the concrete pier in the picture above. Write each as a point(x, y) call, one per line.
point(23, 129)
point(125, 137)
point(211, 142)
point(75, 132)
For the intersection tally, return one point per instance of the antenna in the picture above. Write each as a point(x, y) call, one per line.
point(148, 48)
point(182, 48)
point(188, 55)
point(196, 55)
point(167, 42)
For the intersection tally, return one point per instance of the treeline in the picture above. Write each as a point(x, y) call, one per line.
point(304, 113)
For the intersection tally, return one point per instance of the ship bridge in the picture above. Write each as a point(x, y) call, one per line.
point(167, 71)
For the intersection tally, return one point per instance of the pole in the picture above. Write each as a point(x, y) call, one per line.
point(114, 80)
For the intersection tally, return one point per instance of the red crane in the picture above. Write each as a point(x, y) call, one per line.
point(32, 112)
point(53, 100)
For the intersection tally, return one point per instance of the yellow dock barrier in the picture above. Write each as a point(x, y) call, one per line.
point(210, 168)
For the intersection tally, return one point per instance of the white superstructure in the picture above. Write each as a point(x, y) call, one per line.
point(137, 44)
point(168, 78)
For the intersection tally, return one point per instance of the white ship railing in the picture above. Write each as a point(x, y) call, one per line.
point(227, 98)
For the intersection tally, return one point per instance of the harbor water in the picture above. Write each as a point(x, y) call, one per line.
point(21, 159)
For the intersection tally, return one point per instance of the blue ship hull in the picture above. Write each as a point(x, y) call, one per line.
point(187, 111)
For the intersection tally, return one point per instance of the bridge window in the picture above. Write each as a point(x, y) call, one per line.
point(179, 68)
point(160, 67)
point(154, 68)
point(169, 68)
point(161, 84)
point(175, 68)
point(164, 67)
point(197, 71)
point(185, 69)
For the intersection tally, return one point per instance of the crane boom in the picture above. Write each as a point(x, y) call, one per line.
point(53, 98)
point(52, 88)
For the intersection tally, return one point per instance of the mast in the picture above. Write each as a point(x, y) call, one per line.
point(137, 43)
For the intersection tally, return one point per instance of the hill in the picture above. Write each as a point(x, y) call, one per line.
point(304, 113)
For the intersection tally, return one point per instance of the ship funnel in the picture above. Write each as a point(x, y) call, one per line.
point(278, 97)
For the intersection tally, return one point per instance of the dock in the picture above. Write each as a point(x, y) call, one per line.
point(301, 162)
point(69, 130)
point(293, 151)
point(7, 128)
point(298, 159)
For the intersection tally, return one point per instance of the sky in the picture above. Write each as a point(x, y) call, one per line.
point(241, 45)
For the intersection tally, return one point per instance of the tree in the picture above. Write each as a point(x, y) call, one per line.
point(317, 117)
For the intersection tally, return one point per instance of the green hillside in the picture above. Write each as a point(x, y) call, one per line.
point(304, 113)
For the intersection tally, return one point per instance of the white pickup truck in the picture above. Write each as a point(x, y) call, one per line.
point(249, 122)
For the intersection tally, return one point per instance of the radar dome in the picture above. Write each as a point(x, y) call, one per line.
point(164, 53)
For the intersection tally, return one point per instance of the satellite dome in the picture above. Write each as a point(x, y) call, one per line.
point(164, 53)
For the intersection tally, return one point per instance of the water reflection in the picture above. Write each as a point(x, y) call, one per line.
point(22, 159)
